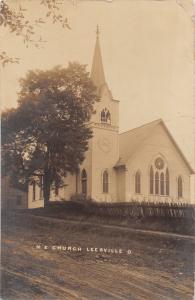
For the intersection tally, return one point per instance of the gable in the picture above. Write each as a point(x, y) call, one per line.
point(168, 138)
point(154, 134)
point(129, 141)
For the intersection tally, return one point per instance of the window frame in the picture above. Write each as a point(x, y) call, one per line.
point(138, 182)
point(105, 116)
point(151, 180)
point(159, 185)
point(180, 187)
point(105, 182)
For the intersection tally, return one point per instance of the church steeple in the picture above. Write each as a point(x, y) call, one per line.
point(97, 70)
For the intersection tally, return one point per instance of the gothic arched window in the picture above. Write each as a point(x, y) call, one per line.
point(167, 182)
point(138, 182)
point(105, 182)
point(162, 184)
point(159, 177)
point(105, 116)
point(180, 187)
point(151, 181)
point(108, 117)
point(84, 182)
point(156, 183)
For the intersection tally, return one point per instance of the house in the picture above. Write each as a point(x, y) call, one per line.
point(143, 164)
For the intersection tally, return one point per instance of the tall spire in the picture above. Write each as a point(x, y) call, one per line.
point(97, 70)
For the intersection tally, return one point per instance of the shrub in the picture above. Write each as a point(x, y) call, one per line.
point(81, 198)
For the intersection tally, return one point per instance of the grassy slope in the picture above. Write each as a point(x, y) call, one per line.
point(79, 211)
point(157, 269)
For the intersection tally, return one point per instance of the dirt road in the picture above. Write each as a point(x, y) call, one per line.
point(35, 267)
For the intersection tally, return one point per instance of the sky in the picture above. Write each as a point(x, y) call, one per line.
point(147, 51)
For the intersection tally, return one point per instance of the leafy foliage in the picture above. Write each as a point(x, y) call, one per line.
point(5, 59)
point(48, 134)
point(18, 24)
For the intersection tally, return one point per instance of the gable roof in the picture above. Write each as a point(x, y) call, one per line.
point(130, 140)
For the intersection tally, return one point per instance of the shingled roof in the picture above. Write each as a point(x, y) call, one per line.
point(130, 140)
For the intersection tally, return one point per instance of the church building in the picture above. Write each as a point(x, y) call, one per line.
point(142, 164)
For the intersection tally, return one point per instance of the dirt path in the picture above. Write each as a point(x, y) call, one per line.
point(156, 269)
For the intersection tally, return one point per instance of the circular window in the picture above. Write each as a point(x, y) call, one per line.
point(159, 163)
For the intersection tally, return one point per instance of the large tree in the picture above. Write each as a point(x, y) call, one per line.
point(47, 134)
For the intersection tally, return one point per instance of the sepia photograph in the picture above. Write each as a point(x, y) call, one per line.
point(97, 149)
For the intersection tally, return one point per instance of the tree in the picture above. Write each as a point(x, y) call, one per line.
point(47, 134)
point(17, 23)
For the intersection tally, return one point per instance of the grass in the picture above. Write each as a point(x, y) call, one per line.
point(76, 210)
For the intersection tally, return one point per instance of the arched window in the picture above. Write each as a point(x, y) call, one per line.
point(34, 190)
point(41, 187)
point(162, 184)
point(167, 182)
point(180, 187)
point(108, 117)
point(159, 177)
point(138, 182)
point(105, 116)
point(84, 182)
point(151, 181)
point(156, 183)
point(105, 182)
point(56, 189)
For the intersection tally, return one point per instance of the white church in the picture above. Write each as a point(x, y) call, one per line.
point(143, 164)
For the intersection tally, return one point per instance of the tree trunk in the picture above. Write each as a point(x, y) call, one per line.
point(46, 188)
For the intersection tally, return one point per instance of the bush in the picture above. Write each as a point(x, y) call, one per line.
point(81, 198)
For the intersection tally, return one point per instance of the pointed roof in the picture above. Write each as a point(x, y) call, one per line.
point(129, 142)
point(97, 70)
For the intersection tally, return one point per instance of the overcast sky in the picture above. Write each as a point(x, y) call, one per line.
point(147, 50)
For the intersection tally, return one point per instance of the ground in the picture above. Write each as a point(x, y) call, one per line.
point(158, 267)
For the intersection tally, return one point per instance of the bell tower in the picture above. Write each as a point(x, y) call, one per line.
point(103, 152)
point(107, 108)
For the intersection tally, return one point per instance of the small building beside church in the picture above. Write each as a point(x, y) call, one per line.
point(143, 164)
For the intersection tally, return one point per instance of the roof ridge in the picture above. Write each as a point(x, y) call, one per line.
point(155, 121)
